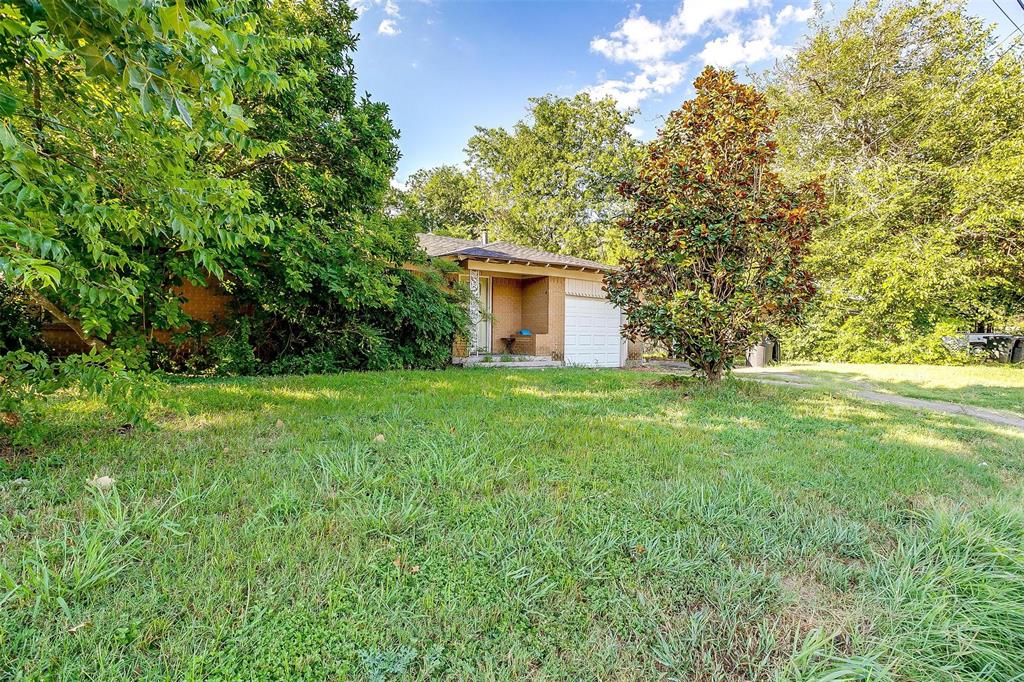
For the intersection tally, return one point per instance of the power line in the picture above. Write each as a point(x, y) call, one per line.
point(994, 2)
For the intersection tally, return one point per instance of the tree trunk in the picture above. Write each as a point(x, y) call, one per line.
point(712, 371)
point(61, 316)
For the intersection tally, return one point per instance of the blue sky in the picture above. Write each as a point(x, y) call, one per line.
point(445, 66)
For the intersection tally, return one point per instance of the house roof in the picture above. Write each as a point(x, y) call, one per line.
point(462, 249)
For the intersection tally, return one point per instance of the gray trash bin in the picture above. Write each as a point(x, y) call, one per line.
point(1017, 354)
point(762, 354)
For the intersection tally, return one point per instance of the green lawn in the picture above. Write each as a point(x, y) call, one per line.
point(567, 524)
point(999, 387)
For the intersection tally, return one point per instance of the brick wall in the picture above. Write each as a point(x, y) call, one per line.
point(506, 311)
point(535, 304)
point(544, 315)
point(207, 303)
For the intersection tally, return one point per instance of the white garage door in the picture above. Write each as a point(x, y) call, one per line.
point(592, 335)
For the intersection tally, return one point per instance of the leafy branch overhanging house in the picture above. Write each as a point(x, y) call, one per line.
point(534, 303)
point(525, 302)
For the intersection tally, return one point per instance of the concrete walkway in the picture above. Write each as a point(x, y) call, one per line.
point(942, 407)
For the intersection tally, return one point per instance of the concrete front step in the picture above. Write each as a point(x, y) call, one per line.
point(518, 361)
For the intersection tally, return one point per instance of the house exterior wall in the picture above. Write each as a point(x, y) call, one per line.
point(207, 303)
point(556, 320)
point(544, 315)
point(506, 310)
point(535, 304)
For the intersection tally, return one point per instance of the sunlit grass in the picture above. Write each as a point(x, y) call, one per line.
point(566, 524)
point(998, 387)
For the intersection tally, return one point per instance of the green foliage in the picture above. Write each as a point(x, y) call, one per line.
point(327, 186)
point(426, 318)
point(550, 182)
point(28, 380)
point(921, 163)
point(416, 330)
point(149, 144)
point(114, 111)
point(328, 292)
point(20, 322)
point(121, 138)
point(718, 240)
point(445, 200)
point(231, 351)
point(562, 524)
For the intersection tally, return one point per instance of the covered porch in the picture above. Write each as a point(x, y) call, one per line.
point(519, 310)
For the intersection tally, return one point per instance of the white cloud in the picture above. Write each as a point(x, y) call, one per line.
point(653, 79)
point(388, 27)
point(391, 9)
point(360, 7)
point(693, 14)
point(753, 44)
point(793, 13)
point(638, 39)
point(649, 45)
point(732, 50)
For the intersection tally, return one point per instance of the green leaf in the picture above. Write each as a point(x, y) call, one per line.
point(8, 99)
point(182, 108)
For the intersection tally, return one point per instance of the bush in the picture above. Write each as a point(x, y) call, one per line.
point(820, 342)
point(20, 323)
point(415, 330)
point(28, 380)
point(231, 353)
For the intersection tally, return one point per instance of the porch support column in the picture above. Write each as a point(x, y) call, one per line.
point(474, 311)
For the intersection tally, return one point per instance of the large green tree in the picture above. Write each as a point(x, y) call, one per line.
point(446, 200)
point(718, 241)
point(912, 113)
point(551, 180)
point(329, 282)
point(109, 114)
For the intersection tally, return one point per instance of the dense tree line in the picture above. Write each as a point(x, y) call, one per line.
point(911, 113)
point(150, 144)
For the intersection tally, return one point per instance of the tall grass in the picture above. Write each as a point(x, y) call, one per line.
point(515, 525)
point(947, 604)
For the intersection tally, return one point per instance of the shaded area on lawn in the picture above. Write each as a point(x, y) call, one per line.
point(998, 387)
point(561, 523)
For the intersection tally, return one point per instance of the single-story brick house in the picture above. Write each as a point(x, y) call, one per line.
point(559, 300)
point(531, 302)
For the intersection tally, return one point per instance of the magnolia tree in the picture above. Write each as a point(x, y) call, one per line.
point(717, 241)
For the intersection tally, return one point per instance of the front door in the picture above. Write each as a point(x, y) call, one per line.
point(480, 289)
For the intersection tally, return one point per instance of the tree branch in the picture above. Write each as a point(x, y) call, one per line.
point(62, 317)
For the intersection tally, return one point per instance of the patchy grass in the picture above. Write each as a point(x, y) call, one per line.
point(567, 524)
point(998, 387)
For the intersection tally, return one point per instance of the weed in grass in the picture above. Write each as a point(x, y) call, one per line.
point(568, 524)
